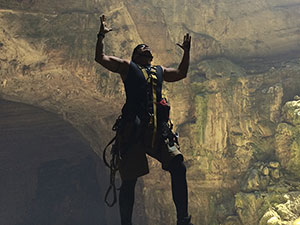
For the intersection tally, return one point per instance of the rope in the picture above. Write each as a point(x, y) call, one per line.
point(104, 152)
point(112, 186)
point(112, 165)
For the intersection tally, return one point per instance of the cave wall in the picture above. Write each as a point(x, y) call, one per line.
point(229, 111)
point(49, 174)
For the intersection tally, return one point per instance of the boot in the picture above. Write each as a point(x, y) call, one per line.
point(185, 221)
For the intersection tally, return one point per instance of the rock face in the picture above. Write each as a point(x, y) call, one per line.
point(49, 174)
point(236, 113)
point(234, 123)
point(288, 138)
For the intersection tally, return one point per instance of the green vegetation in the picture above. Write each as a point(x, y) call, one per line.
point(201, 114)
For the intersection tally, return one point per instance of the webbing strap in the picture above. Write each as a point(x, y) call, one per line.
point(152, 78)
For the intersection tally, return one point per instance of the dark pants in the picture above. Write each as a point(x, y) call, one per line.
point(177, 170)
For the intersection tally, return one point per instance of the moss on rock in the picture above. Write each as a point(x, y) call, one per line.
point(288, 148)
point(198, 128)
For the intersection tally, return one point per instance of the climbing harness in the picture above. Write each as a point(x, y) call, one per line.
point(157, 112)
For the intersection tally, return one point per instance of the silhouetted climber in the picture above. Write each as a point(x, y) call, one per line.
point(145, 126)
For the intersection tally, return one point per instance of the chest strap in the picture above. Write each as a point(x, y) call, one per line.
point(151, 79)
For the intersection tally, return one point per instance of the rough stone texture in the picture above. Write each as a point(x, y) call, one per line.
point(288, 138)
point(245, 67)
point(291, 112)
point(296, 222)
point(274, 202)
point(49, 174)
point(270, 217)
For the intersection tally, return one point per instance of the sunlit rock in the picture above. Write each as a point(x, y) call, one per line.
point(251, 207)
point(291, 112)
point(273, 221)
point(244, 67)
point(296, 222)
point(274, 164)
point(288, 138)
point(275, 173)
point(266, 171)
point(270, 217)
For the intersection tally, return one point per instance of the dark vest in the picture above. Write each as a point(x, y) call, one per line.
point(139, 93)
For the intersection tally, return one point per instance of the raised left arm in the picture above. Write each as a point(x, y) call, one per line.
point(172, 74)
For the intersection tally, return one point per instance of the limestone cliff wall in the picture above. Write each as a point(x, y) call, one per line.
point(235, 113)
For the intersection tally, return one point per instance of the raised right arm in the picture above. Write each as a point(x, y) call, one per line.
point(112, 63)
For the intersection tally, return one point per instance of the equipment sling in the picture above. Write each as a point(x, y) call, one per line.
point(151, 79)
